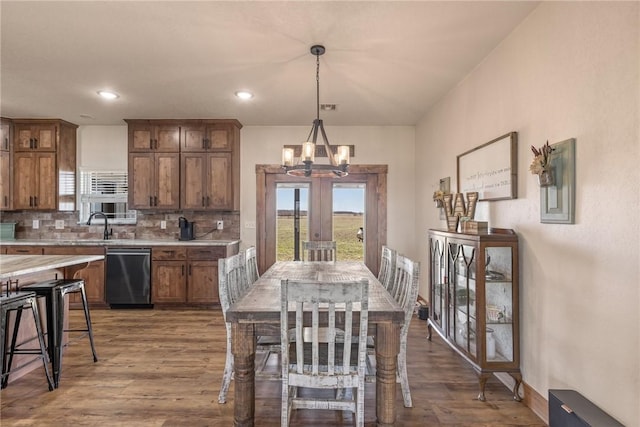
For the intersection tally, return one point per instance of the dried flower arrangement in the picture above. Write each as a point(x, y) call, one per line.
point(438, 197)
point(541, 160)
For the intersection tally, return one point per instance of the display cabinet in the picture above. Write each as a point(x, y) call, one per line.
point(474, 305)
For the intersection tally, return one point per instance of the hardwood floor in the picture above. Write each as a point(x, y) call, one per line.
point(163, 368)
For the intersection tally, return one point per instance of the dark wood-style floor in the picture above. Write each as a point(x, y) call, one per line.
point(163, 368)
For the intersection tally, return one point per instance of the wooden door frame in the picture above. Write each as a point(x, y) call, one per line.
point(374, 176)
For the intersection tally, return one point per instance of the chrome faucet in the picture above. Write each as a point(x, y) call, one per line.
point(107, 233)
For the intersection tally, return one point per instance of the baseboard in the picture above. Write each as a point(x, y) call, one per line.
point(530, 398)
point(537, 403)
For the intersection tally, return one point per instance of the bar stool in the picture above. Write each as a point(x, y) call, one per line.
point(17, 302)
point(54, 291)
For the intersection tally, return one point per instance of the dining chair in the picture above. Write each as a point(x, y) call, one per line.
point(319, 250)
point(251, 260)
point(232, 285)
point(405, 292)
point(387, 266)
point(314, 355)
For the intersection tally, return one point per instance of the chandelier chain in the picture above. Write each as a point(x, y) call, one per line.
point(318, 86)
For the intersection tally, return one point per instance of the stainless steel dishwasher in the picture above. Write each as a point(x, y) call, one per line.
point(129, 277)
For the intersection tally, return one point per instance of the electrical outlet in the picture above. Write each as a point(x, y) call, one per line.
point(59, 224)
point(250, 224)
point(36, 224)
point(163, 225)
point(220, 225)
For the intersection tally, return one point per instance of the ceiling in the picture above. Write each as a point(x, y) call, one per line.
point(386, 63)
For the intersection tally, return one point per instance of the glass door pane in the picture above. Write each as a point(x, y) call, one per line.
point(349, 220)
point(499, 301)
point(292, 220)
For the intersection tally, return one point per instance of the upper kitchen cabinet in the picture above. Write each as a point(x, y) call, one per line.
point(44, 164)
point(210, 135)
point(154, 180)
point(5, 164)
point(154, 136)
point(35, 135)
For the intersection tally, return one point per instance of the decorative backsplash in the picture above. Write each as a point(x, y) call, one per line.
point(147, 226)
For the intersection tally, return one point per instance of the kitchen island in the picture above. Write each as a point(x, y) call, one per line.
point(20, 270)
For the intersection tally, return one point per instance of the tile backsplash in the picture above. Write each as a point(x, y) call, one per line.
point(147, 226)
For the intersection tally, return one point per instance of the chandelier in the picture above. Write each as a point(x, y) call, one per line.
point(305, 165)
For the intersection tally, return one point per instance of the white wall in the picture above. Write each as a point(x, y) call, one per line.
point(570, 70)
point(102, 147)
point(391, 145)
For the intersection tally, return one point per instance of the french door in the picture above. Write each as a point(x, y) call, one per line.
point(320, 209)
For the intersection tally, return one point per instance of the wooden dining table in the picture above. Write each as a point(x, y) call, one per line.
point(258, 313)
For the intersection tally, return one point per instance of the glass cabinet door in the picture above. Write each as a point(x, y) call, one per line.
point(462, 302)
point(438, 280)
point(499, 304)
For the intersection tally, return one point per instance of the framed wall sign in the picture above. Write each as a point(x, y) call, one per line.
point(490, 169)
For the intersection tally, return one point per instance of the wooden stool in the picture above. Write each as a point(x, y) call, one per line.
point(19, 301)
point(54, 292)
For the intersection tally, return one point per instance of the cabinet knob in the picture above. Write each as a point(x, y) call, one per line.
point(567, 409)
point(155, 201)
point(150, 200)
point(35, 201)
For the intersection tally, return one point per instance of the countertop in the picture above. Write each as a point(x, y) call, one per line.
point(117, 242)
point(16, 265)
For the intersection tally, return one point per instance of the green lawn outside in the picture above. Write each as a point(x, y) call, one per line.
point(345, 227)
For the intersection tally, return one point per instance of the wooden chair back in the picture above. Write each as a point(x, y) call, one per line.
point(232, 280)
point(329, 362)
point(319, 250)
point(251, 260)
point(387, 266)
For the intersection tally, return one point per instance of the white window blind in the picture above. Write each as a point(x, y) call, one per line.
point(107, 192)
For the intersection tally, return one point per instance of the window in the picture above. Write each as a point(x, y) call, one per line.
point(107, 192)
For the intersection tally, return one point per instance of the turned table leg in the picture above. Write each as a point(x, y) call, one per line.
point(387, 349)
point(244, 351)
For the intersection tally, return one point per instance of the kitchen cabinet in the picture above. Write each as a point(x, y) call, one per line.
point(23, 250)
point(207, 182)
point(209, 135)
point(35, 136)
point(154, 136)
point(34, 180)
point(210, 165)
point(474, 302)
point(93, 274)
point(168, 275)
point(154, 180)
point(187, 275)
point(44, 165)
point(6, 200)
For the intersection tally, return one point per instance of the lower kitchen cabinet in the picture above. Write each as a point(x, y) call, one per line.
point(187, 276)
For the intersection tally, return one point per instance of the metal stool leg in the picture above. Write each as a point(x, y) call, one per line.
point(12, 347)
point(87, 318)
point(36, 319)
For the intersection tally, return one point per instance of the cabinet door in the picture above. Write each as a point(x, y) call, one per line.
point(5, 135)
point(5, 180)
point(34, 181)
point(193, 138)
point(219, 181)
point(153, 137)
point(34, 137)
point(194, 176)
point(47, 181)
point(438, 281)
point(203, 282)
point(219, 137)
point(141, 180)
point(167, 179)
point(462, 305)
point(168, 282)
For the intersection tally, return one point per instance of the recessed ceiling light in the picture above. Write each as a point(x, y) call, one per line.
point(243, 94)
point(107, 94)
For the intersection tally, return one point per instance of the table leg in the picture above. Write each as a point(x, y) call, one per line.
point(387, 349)
point(243, 348)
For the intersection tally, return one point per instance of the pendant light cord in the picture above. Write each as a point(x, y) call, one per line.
point(318, 87)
